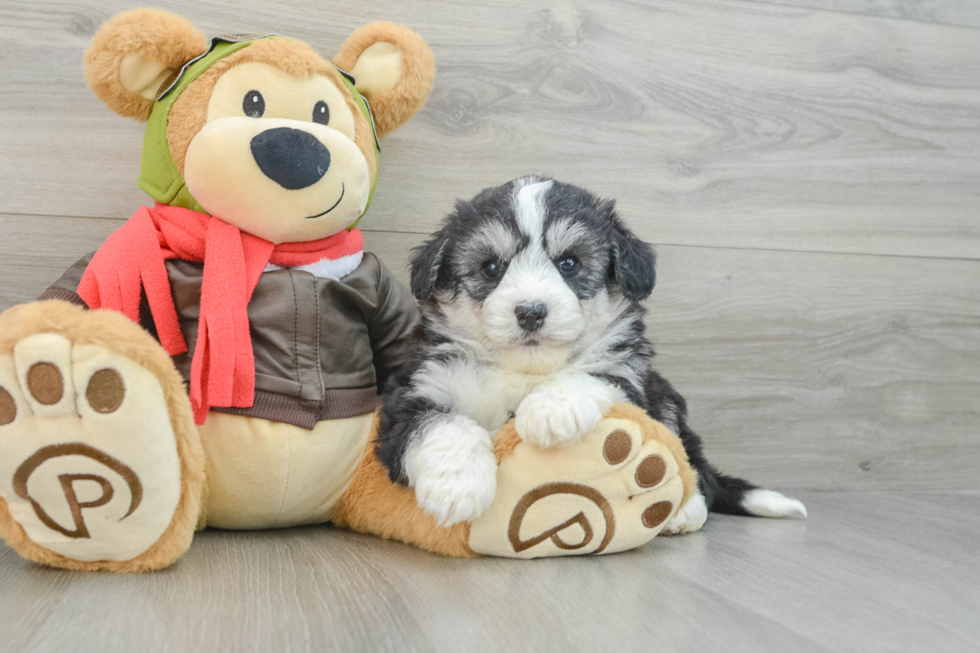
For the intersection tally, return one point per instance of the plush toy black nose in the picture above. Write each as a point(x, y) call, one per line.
point(292, 158)
point(530, 317)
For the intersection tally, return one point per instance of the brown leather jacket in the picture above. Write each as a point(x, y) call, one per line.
point(322, 347)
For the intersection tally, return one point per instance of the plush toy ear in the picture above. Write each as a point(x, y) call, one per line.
point(394, 69)
point(634, 264)
point(134, 54)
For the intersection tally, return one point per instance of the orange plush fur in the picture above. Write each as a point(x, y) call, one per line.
point(158, 35)
point(395, 106)
point(373, 504)
point(117, 333)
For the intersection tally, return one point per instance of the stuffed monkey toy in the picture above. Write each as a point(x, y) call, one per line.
point(217, 362)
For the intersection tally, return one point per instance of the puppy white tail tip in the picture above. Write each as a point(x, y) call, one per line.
point(769, 503)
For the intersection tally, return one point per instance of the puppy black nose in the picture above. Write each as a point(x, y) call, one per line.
point(292, 158)
point(531, 316)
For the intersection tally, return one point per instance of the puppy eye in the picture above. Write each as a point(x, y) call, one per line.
point(254, 104)
point(493, 269)
point(568, 265)
point(321, 113)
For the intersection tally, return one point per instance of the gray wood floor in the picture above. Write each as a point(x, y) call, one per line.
point(810, 172)
point(868, 572)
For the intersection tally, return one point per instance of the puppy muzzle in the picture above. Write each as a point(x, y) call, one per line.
point(530, 317)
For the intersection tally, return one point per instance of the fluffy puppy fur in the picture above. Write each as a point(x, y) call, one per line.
point(531, 299)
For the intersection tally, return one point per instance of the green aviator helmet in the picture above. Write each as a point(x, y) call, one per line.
point(159, 176)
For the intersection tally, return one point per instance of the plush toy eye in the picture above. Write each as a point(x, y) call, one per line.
point(254, 104)
point(321, 113)
point(493, 269)
point(568, 265)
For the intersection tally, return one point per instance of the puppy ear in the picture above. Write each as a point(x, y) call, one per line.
point(634, 263)
point(394, 69)
point(426, 260)
point(134, 54)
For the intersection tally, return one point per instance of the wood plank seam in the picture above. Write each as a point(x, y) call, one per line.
point(845, 12)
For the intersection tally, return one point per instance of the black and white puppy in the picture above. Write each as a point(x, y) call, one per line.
point(530, 295)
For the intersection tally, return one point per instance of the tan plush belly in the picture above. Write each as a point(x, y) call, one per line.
point(264, 474)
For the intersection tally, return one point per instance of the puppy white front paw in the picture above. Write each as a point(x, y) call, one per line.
point(690, 518)
point(556, 415)
point(454, 496)
point(453, 471)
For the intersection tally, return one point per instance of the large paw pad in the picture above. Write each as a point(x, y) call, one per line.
point(612, 491)
point(88, 460)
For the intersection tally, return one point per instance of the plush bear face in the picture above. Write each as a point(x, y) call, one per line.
point(279, 146)
point(270, 137)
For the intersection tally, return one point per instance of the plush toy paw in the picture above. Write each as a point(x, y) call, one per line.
point(453, 471)
point(90, 472)
point(558, 414)
point(612, 491)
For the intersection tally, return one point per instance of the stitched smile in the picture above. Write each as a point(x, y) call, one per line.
point(311, 217)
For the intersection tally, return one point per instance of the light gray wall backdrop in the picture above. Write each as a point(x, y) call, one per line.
point(809, 170)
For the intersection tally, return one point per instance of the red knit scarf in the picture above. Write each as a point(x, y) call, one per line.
point(131, 260)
